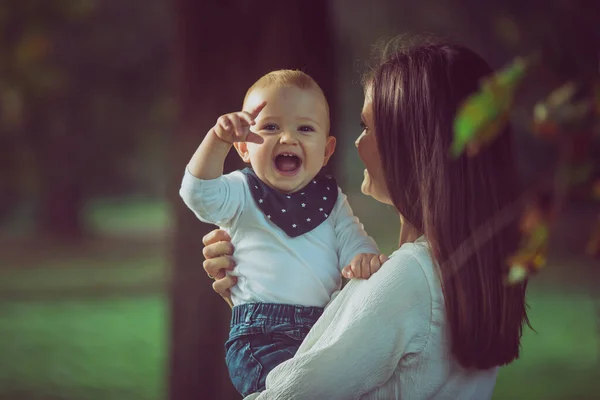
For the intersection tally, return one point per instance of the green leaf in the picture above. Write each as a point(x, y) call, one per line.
point(484, 114)
point(517, 274)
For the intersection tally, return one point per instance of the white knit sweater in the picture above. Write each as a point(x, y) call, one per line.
point(381, 338)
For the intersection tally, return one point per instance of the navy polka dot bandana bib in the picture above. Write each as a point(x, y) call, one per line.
point(295, 213)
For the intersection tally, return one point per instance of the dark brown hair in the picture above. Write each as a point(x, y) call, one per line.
point(416, 91)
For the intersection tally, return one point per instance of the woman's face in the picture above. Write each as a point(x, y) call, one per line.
point(373, 182)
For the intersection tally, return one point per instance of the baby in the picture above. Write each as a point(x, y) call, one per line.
point(293, 230)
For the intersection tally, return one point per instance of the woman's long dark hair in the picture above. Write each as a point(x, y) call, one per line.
point(416, 92)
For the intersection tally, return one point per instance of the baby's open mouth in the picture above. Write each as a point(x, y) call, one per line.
point(287, 163)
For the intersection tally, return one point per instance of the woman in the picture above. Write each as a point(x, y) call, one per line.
point(437, 319)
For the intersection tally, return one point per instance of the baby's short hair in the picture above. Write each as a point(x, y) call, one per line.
point(287, 77)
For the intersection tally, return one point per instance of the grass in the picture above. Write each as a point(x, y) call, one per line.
point(75, 324)
point(87, 322)
point(83, 349)
point(108, 272)
point(128, 215)
point(560, 361)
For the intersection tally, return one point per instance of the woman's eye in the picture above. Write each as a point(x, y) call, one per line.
point(306, 128)
point(363, 126)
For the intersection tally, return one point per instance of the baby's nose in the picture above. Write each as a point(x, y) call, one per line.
point(288, 137)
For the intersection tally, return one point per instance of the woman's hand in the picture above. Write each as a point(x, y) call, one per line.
point(217, 251)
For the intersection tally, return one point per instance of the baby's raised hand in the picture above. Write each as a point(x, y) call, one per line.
point(235, 127)
point(364, 265)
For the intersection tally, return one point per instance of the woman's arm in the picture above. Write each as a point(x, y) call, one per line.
point(361, 337)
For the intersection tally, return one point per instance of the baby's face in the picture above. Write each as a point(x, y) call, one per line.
point(295, 128)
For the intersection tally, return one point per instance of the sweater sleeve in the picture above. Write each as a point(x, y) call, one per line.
point(216, 201)
point(351, 237)
point(361, 338)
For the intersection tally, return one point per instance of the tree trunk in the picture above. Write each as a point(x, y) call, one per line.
point(223, 47)
point(58, 141)
point(9, 174)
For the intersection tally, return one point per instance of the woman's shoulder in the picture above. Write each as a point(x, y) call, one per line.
point(412, 273)
point(412, 260)
point(405, 279)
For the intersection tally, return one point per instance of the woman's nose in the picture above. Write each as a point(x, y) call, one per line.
point(359, 138)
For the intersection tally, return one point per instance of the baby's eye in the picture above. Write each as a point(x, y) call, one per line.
point(270, 127)
point(306, 128)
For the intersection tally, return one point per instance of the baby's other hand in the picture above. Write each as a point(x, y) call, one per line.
point(364, 265)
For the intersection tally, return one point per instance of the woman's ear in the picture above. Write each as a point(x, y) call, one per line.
point(242, 149)
point(329, 149)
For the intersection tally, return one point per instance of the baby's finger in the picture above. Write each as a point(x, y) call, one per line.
point(356, 267)
point(365, 267)
point(254, 138)
point(256, 110)
point(223, 122)
point(383, 258)
point(240, 133)
point(220, 128)
point(347, 272)
point(375, 265)
point(247, 118)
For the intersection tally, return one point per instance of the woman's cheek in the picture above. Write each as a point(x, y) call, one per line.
point(375, 189)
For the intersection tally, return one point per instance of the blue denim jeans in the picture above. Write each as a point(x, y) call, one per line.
point(262, 336)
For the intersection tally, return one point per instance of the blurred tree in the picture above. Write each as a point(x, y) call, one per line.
point(223, 47)
point(77, 99)
point(560, 42)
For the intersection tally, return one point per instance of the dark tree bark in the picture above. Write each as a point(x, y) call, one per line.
point(59, 145)
point(223, 47)
point(9, 190)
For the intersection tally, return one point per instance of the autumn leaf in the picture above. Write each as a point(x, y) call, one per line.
point(538, 238)
point(561, 112)
point(524, 264)
point(535, 228)
point(484, 114)
point(32, 49)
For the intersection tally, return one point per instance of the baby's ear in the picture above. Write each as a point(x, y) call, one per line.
point(329, 148)
point(242, 149)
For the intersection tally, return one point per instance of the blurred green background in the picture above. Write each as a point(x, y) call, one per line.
point(88, 202)
point(91, 322)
